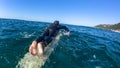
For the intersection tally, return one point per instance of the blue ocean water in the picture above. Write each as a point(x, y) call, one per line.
point(86, 47)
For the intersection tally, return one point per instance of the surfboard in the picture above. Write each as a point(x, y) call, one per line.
point(30, 61)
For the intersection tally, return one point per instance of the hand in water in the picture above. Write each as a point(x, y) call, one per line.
point(67, 33)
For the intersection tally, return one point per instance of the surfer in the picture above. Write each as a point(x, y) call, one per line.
point(42, 41)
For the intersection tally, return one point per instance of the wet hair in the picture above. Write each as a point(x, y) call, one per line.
point(56, 22)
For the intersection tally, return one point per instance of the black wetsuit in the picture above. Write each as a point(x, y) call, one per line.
point(50, 32)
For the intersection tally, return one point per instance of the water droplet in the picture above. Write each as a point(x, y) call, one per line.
point(98, 67)
point(94, 56)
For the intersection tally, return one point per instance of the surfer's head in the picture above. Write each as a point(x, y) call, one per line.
point(56, 22)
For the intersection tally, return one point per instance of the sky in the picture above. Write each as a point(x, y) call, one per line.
point(76, 12)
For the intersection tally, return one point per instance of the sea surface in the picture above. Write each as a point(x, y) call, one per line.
point(86, 47)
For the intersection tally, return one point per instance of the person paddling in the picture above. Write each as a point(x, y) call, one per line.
point(42, 41)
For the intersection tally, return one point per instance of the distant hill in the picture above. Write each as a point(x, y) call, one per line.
point(115, 27)
point(109, 26)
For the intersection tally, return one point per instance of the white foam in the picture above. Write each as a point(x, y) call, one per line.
point(94, 56)
point(26, 35)
point(30, 61)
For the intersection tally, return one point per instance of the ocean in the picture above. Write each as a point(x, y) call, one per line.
point(86, 47)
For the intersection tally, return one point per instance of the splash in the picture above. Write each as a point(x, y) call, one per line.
point(30, 61)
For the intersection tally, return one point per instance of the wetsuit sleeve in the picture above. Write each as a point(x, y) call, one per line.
point(64, 27)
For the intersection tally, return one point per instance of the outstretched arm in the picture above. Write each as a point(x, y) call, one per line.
point(66, 29)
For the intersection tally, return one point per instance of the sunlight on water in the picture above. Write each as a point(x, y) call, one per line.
point(29, 61)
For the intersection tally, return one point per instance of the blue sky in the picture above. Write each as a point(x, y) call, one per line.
point(77, 12)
